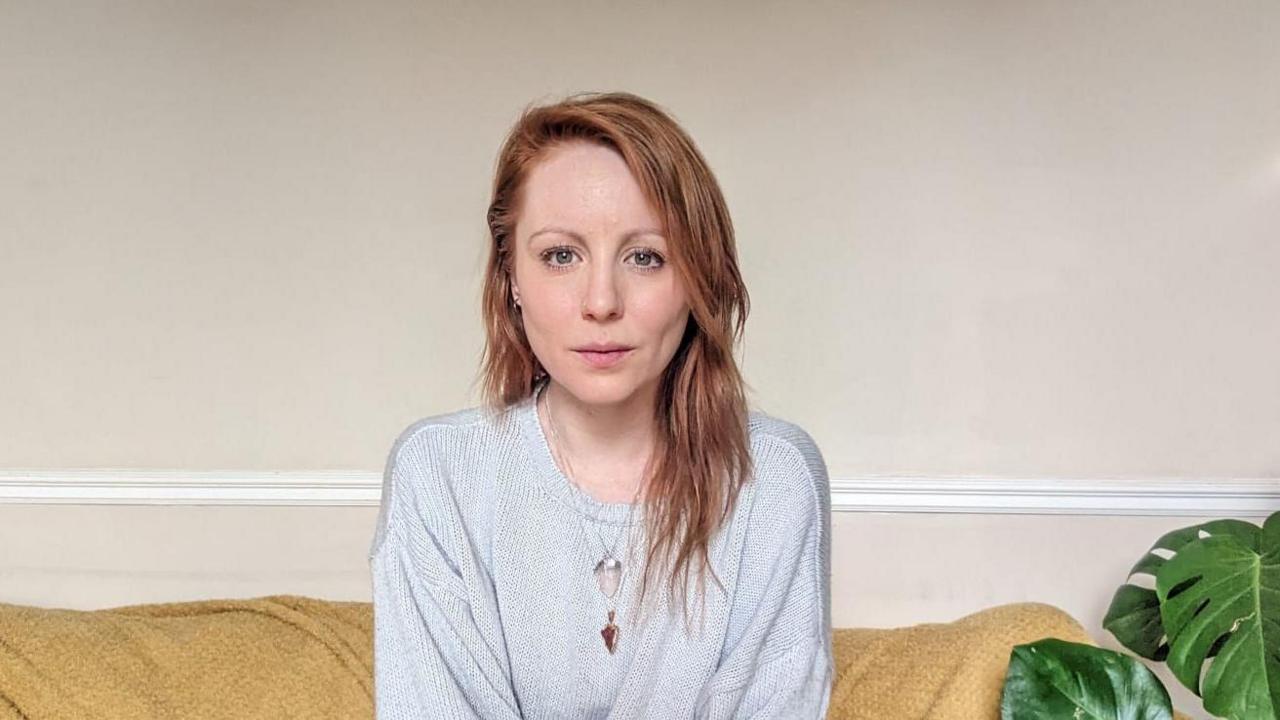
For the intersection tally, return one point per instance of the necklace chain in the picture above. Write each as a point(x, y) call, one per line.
point(609, 571)
point(608, 551)
point(564, 459)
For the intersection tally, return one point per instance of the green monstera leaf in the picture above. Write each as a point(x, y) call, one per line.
point(1053, 678)
point(1220, 605)
point(1134, 615)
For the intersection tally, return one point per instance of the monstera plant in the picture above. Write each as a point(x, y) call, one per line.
point(1205, 600)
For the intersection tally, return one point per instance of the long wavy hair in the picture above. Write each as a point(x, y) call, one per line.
point(702, 455)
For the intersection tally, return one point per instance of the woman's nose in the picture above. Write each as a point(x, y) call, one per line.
point(603, 296)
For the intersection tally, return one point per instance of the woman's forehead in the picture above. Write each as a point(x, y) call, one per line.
point(583, 190)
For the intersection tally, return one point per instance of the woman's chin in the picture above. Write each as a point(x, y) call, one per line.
point(593, 389)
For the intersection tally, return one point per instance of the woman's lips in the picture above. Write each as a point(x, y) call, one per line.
point(603, 359)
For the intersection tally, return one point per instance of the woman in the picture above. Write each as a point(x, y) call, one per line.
point(536, 556)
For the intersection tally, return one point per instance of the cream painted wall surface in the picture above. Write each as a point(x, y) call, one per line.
point(1033, 238)
point(888, 569)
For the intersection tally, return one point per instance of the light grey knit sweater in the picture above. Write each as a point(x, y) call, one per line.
point(485, 604)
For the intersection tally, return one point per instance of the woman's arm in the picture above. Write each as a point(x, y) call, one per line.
point(431, 657)
point(777, 662)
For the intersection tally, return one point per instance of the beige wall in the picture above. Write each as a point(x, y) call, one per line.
point(1035, 239)
point(888, 569)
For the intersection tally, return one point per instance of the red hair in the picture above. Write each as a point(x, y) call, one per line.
point(702, 454)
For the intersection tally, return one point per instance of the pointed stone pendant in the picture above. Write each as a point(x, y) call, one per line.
point(610, 634)
point(608, 573)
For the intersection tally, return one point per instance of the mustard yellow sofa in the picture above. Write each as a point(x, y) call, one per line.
point(288, 656)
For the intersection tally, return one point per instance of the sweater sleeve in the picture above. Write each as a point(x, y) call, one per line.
point(779, 664)
point(432, 658)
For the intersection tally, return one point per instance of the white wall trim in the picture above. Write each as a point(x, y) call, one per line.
point(1228, 497)
point(1215, 497)
point(158, 487)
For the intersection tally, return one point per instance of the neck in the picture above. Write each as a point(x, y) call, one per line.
point(606, 446)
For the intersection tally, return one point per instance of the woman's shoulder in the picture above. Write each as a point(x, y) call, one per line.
point(430, 427)
point(425, 451)
point(765, 426)
point(789, 463)
point(443, 431)
point(421, 469)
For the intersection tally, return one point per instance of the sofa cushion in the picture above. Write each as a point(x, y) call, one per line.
point(270, 657)
point(298, 657)
point(938, 671)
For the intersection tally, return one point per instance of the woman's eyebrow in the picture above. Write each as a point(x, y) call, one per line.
point(629, 236)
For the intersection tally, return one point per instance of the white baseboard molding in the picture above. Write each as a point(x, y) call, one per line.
point(882, 493)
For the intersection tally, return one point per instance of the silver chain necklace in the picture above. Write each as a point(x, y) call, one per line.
point(608, 570)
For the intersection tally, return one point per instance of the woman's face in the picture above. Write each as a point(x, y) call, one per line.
point(590, 266)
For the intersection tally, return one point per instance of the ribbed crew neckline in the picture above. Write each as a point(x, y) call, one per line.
point(555, 481)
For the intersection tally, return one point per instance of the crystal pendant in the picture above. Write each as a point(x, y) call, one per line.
point(610, 634)
point(608, 573)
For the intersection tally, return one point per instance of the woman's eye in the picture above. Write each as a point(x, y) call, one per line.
point(651, 260)
point(560, 258)
point(557, 254)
